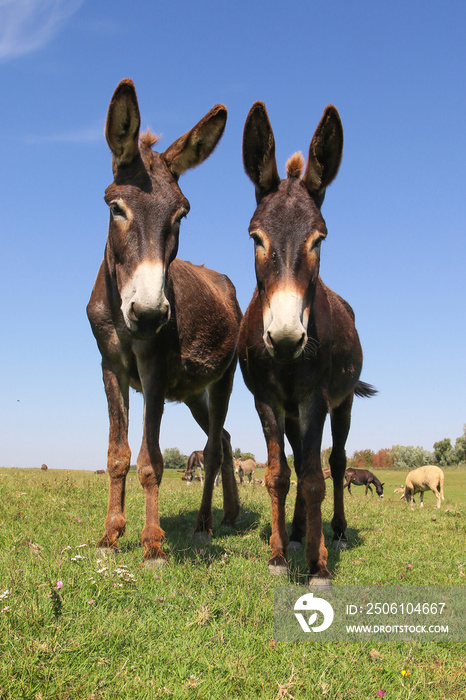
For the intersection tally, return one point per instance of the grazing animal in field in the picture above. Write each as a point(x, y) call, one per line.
point(44, 467)
point(165, 327)
point(427, 478)
point(244, 468)
point(195, 461)
point(298, 347)
point(327, 473)
point(100, 471)
point(363, 477)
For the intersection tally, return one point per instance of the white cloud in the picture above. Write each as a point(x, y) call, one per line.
point(27, 25)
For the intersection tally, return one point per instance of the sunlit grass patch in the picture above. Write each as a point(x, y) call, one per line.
point(203, 625)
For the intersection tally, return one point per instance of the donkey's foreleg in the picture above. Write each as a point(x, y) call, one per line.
point(277, 482)
point(312, 418)
point(119, 455)
point(340, 421)
point(150, 460)
point(298, 525)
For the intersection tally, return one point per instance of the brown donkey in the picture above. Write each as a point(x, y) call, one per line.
point(298, 347)
point(165, 327)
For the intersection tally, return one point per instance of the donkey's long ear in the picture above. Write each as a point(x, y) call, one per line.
point(123, 121)
point(196, 145)
point(259, 150)
point(325, 154)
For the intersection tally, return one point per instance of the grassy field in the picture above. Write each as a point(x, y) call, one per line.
point(74, 625)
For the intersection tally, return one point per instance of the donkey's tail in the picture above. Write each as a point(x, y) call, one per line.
point(365, 390)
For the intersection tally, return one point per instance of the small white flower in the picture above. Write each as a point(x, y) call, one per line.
point(5, 595)
point(5, 609)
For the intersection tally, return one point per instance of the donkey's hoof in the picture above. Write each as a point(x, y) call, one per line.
point(277, 570)
point(202, 537)
point(294, 546)
point(339, 544)
point(155, 563)
point(228, 522)
point(318, 583)
point(277, 566)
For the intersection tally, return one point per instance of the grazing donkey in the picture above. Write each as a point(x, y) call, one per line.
point(298, 347)
point(195, 461)
point(244, 468)
point(363, 477)
point(165, 327)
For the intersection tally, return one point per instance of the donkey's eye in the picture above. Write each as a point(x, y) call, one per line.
point(256, 238)
point(116, 210)
point(180, 215)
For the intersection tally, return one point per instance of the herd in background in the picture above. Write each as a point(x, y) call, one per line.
point(426, 478)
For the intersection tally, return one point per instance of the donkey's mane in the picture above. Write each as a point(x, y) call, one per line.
point(295, 165)
point(147, 139)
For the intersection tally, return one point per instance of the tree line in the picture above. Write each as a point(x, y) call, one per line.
point(398, 457)
point(406, 457)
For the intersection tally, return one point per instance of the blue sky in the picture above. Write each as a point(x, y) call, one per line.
point(396, 214)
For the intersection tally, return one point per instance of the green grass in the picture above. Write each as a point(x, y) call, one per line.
point(202, 627)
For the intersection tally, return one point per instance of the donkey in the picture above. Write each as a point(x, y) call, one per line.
point(165, 327)
point(244, 468)
point(363, 477)
point(298, 347)
point(195, 461)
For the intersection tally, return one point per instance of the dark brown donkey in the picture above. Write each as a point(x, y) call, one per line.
point(363, 477)
point(298, 347)
point(165, 327)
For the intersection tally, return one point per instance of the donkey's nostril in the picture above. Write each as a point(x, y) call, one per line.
point(132, 315)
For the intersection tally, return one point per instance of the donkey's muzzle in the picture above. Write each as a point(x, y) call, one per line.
point(285, 348)
point(145, 322)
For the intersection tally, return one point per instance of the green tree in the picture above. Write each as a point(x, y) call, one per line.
point(173, 459)
point(460, 446)
point(324, 457)
point(407, 457)
point(443, 451)
point(239, 454)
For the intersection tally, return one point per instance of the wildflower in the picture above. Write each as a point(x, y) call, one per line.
point(81, 545)
point(5, 609)
point(59, 584)
point(5, 595)
point(78, 557)
point(405, 673)
point(90, 602)
point(79, 520)
point(381, 693)
point(410, 566)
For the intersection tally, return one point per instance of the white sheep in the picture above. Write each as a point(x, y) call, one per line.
point(423, 479)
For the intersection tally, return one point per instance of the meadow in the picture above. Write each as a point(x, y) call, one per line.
point(77, 625)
